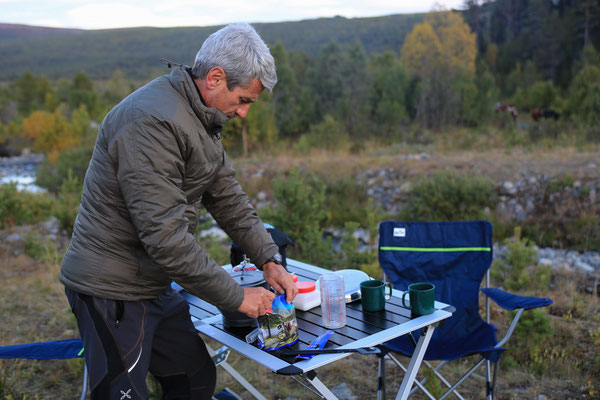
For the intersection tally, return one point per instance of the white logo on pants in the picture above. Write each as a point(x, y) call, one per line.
point(125, 395)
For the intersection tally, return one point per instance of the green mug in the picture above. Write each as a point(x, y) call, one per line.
point(373, 296)
point(422, 298)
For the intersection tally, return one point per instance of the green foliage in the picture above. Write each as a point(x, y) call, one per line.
point(41, 249)
point(519, 269)
point(300, 213)
point(388, 93)
point(584, 95)
point(328, 134)
point(68, 200)
point(529, 346)
point(448, 196)
point(17, 208)
point(350, 257)
point(73, 161)
point(541, 95)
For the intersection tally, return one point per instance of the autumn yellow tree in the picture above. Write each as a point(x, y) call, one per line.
point(439, 52)
point(50, 133)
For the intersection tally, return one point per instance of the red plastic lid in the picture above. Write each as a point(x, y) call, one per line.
point(305, 287)
point(295, 277)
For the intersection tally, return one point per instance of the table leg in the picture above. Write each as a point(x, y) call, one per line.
point(311, 377)
point(415, 363)
point(237, 376)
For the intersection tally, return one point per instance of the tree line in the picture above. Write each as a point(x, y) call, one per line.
point(451, 71)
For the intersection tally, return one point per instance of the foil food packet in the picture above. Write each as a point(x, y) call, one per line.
point(278, 327)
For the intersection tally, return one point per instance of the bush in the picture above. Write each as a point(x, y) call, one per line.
point(328, 134)
point(17, 208)
point(75, 160)
point(300, 212)
point(68, 202)
point(449, 196)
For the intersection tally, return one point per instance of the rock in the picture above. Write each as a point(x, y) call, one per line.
point(261, 196)
point(509, 188)
point(15, 237)
point(51, 225)
point(362, 235)
point(541, 397)
point(583, 266)
point(343, 392)
point(406, 187)
point(214, 231)
point(545, 262)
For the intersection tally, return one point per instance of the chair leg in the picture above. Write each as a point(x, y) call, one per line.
point(85, 379)
point(462, 379)
point(492, 387)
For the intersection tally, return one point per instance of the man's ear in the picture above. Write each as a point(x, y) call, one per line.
point(215, 78)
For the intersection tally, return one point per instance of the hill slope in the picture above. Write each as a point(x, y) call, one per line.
point(137, 51)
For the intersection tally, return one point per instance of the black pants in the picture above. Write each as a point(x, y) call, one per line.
point(123, 340)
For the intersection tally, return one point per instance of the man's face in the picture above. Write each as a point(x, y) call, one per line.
point(237, 101)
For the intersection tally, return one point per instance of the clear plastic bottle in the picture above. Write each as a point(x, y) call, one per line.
point(333, 300)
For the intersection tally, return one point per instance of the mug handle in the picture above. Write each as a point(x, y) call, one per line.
point(389, 295)
point(403, 297)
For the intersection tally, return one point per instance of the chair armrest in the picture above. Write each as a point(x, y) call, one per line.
point(510, 301)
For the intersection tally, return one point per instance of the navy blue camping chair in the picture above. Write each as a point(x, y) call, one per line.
point(455, 257)
point(54, 350)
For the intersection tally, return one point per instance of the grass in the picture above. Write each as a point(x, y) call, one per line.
point(564, 365)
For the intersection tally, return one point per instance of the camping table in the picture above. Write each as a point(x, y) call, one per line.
point(363, 329)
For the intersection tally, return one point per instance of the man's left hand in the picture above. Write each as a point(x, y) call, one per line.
point(280, 279)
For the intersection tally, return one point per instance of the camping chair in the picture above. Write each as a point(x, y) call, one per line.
point(55, 350)
point(455, 257)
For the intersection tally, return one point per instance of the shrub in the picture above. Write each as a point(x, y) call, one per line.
point(76, 160)
point(328, 134)
point(41, 249)
point(17, 208)
point(513, 272)
point(67, 205)
point(449, 196)
point(300, 212)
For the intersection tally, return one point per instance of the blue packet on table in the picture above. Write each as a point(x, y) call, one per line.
point(316, 344)
point(278, 327)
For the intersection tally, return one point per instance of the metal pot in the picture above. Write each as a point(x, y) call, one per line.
point(246, 275)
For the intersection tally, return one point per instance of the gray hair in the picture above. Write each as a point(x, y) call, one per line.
point(242, 54)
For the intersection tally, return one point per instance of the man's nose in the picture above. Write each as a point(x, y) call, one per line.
point(242, 110)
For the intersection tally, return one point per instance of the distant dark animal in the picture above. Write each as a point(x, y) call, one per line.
point(539, 113)
point(6, 150)
point(509, 108)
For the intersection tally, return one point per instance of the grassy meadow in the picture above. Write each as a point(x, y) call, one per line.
point(555, 351)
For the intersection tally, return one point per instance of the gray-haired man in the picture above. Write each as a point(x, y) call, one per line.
point(158, 158)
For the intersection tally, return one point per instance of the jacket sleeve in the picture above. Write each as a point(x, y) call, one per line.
point(150, 170)
point(229, 205)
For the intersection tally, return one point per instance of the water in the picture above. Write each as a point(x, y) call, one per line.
point(21, 170)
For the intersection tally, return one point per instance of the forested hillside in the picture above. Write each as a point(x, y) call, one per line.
point(58, 53)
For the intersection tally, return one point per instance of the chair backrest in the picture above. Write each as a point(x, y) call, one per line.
point(454, 256)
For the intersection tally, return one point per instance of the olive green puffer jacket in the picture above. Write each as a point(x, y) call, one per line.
point(158, 158)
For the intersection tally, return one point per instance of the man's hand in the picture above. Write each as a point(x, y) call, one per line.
point(257, 300)
point(281, 280)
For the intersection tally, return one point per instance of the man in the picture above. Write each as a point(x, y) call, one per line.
point(158, 158)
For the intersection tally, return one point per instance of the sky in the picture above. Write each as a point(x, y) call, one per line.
point(87, 14)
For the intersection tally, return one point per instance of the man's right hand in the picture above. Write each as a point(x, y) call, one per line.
point(257, 301)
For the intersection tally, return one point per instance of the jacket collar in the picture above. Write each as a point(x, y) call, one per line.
point(211, 118)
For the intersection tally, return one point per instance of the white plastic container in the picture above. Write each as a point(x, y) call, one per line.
point(333, 300)
point(307, 296)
